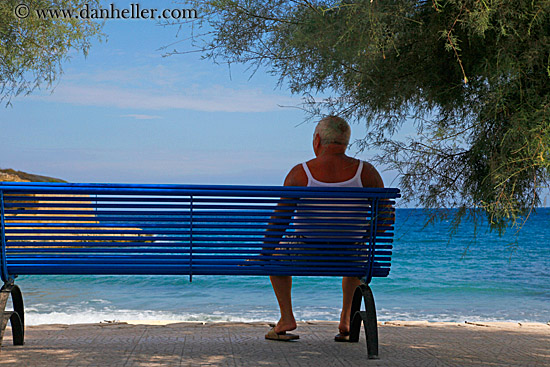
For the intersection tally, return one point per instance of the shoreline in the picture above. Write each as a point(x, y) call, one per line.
point(169, 343)
point(405, 323)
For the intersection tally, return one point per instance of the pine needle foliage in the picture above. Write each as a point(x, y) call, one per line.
point(472, 76)
point(32, 49)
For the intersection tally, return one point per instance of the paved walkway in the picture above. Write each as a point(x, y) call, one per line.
point(233, 344)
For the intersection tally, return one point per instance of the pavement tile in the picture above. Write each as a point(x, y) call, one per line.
point(238, 344)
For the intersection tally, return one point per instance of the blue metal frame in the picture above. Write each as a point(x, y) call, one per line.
point(372, 241)
point(191, 238)
point(197, 190)
point(66, 185)
point(4, 270)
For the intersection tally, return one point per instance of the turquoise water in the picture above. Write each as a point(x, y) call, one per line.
point(470, 278)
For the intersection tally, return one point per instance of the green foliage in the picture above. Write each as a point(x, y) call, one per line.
point(32, 49)
point(473, 76)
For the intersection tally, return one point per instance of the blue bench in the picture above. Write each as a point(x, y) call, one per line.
point(57, 228)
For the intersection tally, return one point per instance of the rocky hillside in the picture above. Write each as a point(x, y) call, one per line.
point(19, 176)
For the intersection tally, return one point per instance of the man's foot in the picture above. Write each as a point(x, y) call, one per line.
point(282, 336)
point(343, 327)
point(342, 336)
point(282, 327)
point(343, 330)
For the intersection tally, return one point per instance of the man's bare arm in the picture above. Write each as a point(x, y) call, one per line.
point(371, 178)
point(296, 177)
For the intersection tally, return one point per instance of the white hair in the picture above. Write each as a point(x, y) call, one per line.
point(333, 130)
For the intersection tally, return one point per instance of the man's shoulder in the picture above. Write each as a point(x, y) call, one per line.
point(296, 177)
point(370, 177)
point(367, 167)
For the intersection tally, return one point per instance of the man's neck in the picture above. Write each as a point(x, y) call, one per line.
point(332, 150)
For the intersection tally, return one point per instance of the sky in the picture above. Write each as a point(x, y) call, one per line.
point(128, 114)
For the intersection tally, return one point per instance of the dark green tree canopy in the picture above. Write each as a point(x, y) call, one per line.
point(32, 49)
point(473, 76)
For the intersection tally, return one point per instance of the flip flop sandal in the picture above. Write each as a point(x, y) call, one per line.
point(342, 337)
point(283, 336)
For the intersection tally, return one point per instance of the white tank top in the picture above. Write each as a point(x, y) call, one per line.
point(355, 181)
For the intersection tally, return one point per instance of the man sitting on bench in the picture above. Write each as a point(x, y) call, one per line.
point(331, 168)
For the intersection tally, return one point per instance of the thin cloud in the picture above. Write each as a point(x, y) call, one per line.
point(142, 117)
point(212, 99)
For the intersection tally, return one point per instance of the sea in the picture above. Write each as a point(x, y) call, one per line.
point(474, 275)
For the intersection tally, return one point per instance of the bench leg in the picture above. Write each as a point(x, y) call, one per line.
point(15, 317)
point(367, 318)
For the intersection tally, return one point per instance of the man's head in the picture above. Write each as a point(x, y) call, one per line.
point(332, 130)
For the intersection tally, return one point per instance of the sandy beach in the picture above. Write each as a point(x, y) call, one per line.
point(161, 343)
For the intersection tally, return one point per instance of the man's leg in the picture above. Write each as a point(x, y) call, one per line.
point(348, 288)
point(282, 285)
